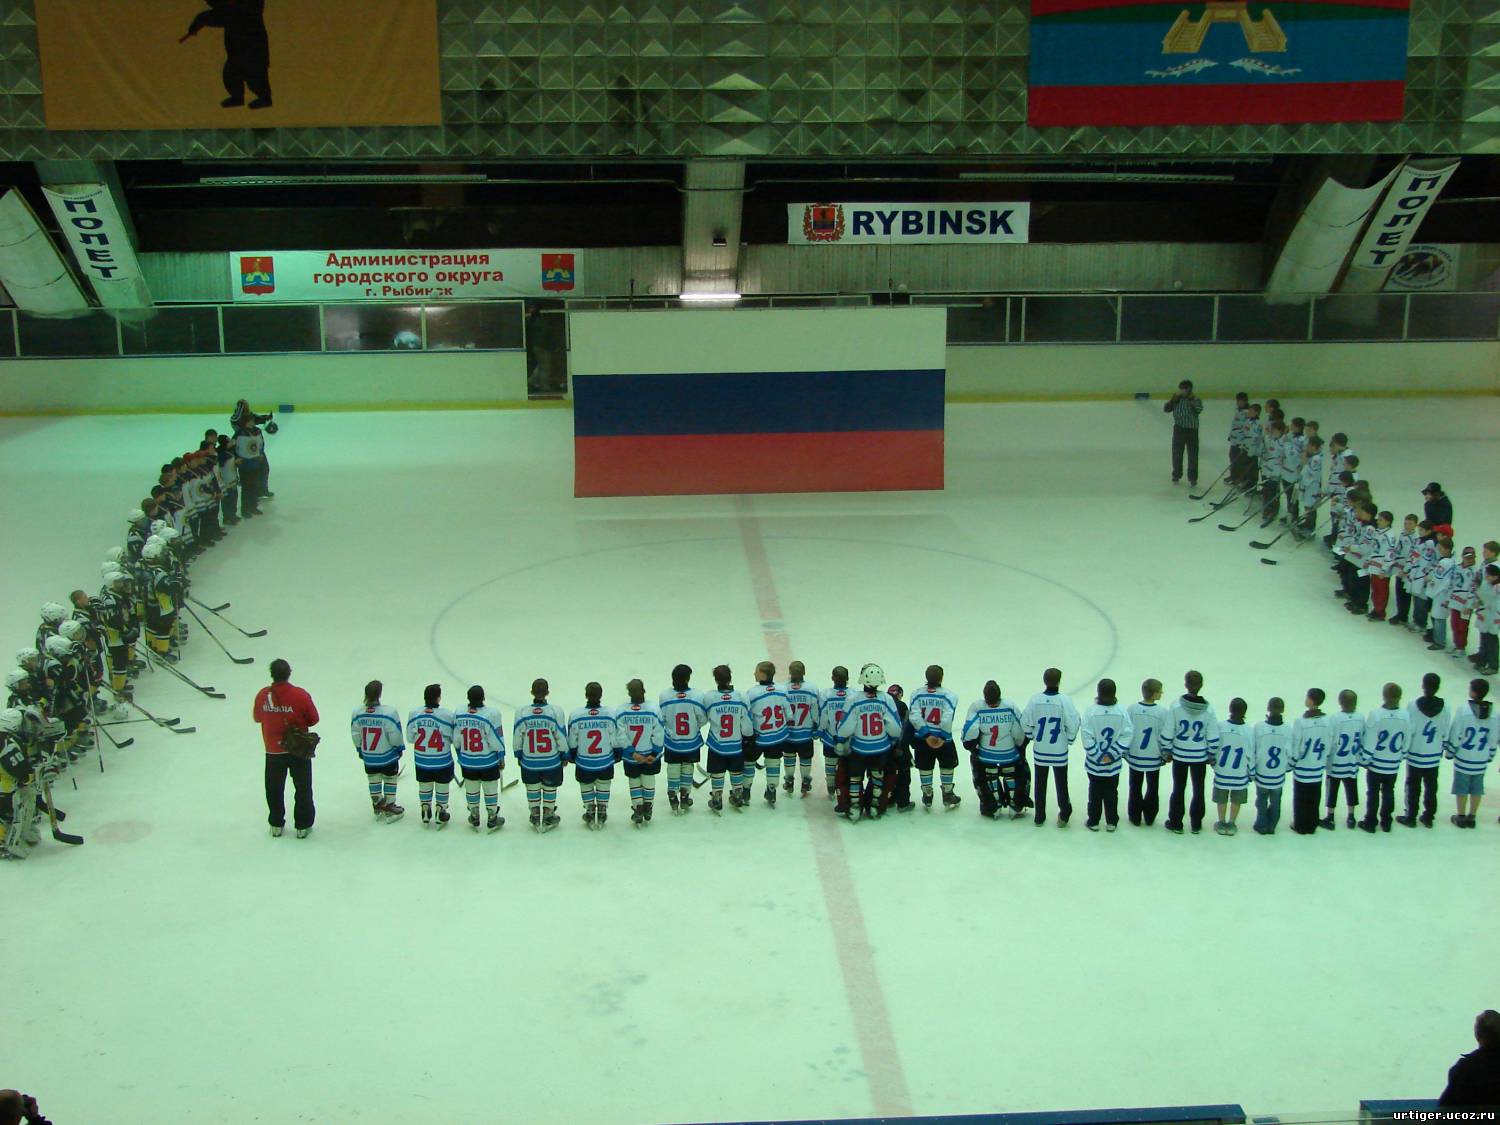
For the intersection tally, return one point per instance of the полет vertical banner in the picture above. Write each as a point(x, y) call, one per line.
point(1216, 62)
point(236, 64)
point(92, 227)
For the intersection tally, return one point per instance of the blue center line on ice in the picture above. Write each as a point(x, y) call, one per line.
point(889, 1096)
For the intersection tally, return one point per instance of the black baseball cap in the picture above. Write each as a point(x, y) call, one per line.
point(1433, 488)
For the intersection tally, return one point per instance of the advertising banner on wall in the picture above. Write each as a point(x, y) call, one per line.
point(886, 223)
point(100, 242)
point(1394, 225)
point(238, 64)
point(303, 276)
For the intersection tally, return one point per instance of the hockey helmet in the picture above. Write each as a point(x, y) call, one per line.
point(27, 656)
point(10, 720)
point(59, 647)
point(167, 534)
point(135, 515)
point(114, 554)
point(157, 525)
point(15, 678)
point(154, 549)
point(73, 629)
point(53, 612)
point(872, 676)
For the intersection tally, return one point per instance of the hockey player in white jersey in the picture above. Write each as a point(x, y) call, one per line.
point(932, 712)
point(1051, 723)
point(1192, 739)
point(429, 730)
point(833, 704)
point(682, 719)
point(1312, 734)
point(1106, 732)
point(770, 716)
point(728, 721)
point(1149, 723)
point(1387, 735)
point(379, 741)
point(540, 739)
point(1272, 758)
point(994, 735)
point(592, 748)
point(479, 734)
point(869, 733)
point(803, 722)
point(1233, 766)
point(638, 734)
point(1424, 752)
point(1344, 753)
point(1472, 738)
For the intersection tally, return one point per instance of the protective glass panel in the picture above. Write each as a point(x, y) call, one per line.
point(1070, 319)
point(271, 328)
point(373, 328)
point(1147, 319)
point(90, 334)
point(978, 323)
point(1250, 319)
point(1359, 317)
point(483, 327)
point(185, 330)
point(1453, 316)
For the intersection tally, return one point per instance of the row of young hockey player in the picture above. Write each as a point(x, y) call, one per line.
point(866, 735)
point(1437, 588)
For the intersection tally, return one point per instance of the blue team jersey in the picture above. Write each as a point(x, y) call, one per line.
point(479, 733)
point(770, 711)
point(430, 732)
point(872, 725)
point(995, 732)
point(591, 738)
point(932, 712)
point(682, 719)
point(728, 721)
point(803, 714)
point(377, 735)
point(540, 736)
point(638, 730)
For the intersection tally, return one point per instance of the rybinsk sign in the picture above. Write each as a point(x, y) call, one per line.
point(885, 223)
point(100, 243)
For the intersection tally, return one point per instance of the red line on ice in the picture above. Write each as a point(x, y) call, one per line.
point(851, 938)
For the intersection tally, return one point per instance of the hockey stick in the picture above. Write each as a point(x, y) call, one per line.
point(118, 745)
point(1212, 484)
point(697, 784)
point(1229, 499)
point(168, 724)
point(1236, 527)
point(1313, 534)
point(225, 651)
point(206, 689)
point(212, 608)
point(221, 617)
point(98, 749)
point(57, 833)
point(1289, 527)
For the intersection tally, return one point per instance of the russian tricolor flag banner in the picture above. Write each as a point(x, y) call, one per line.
point(1216, 62)
point(774, 400)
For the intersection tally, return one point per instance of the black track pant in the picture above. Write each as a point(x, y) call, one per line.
point(1143, 803)
point(1185, 440)
point(1039, 791)
point(1421, 785)
point(1181, 772)
point(1380, 798)
point(1104, 797)
point(277, 768)
point(1305, 806)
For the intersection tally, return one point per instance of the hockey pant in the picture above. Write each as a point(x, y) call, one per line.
point(1270, 500)
point(161, 629)
point(852, 790)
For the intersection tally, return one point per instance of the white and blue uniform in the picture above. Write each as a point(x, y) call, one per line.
point(871, 726)
point(591, 740)
point(682, 718)
point(1311, 738)
point(429, 730)
point(1236, 757)
point(1273, 743)
point(1192, 736)
point(1051, 722)
point(1386, 738)
point(803, 722)
point(1425, 749)
point(376, 729)
point(479, 733)
point(1148, 724)
point(770, 715)
point(1107, 738)
point(540, 739)
point(833, 705)
point(1471, 742)
point(994, 733)
point(638, 731)
point(931, 714)
point(1343, 761)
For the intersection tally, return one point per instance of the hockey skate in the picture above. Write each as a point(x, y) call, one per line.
point(442, 816)
point(474, 819)
point(495, 821)
point(716, 804)
point(787, 783)
point(550, 821)
point(771, 796)
point(646, 810)
point(927, 797)
point(601, 814)
point(426, 815)
point(951, 800)
point(637, 816)
point(588, 817)
point(393, 812)
point(685, 801)
point(536, 819)
point(672, 800)
point(806, 787)
point(735, 800)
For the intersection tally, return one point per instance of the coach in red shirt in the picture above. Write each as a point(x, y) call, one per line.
point(278, 706)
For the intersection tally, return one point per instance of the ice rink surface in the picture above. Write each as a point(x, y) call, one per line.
point(185, 966)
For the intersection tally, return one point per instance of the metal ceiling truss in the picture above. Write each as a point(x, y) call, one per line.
point(789, 79)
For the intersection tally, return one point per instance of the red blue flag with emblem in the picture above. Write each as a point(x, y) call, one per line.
point(1216, 62)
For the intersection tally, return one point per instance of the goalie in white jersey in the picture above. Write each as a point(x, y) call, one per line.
point(478, 732)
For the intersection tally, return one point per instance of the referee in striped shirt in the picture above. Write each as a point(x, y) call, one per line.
point(1184, 407)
